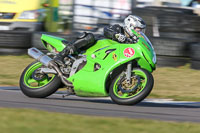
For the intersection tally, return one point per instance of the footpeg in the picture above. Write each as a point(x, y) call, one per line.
point(68, 93)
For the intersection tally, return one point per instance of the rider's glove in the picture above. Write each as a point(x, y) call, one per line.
point(120, 37)
point(133, 39)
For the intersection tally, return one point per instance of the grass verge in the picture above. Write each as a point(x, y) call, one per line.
point(32, 121)
point(175, 83)
point(11, 69)
point(180, 83)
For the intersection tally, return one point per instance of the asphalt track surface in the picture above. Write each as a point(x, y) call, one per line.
point(12, 97)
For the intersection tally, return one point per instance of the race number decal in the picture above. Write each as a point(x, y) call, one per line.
point(129, 52)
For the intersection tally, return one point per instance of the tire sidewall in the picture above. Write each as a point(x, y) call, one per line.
point(39, 92)
point(139, 97)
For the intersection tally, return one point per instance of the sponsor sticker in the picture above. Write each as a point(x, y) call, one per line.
point(129, 52)
point(114, 57)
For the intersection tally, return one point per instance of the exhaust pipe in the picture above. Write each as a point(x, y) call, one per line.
point(47, 61)
point(38, 55)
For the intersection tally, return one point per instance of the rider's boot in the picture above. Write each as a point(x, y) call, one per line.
point(59, 58)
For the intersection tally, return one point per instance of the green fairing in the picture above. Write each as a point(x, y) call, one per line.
point(88, 82)
point(56, 42)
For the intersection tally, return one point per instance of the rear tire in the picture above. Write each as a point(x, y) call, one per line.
point(141, 92)
point(47, 85)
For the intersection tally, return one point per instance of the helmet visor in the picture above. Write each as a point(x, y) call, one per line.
point(137, 29)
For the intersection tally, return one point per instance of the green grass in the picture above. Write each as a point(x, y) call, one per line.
point(32, 121)
point(11, 68)
point(180, 83)
point(177, 83)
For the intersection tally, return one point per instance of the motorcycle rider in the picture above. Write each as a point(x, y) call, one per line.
point(114, 32)
point(125, 34)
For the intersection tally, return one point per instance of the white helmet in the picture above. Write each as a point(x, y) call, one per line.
point(132, 22)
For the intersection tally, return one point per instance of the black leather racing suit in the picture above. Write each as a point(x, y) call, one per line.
point(82, 42)
point(86, 40)
point(111, 31)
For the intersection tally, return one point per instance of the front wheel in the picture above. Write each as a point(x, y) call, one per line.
point(38, 85)
point(132, 92)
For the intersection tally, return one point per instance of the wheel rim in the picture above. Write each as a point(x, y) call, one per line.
point(33, 83)
point(138, 85)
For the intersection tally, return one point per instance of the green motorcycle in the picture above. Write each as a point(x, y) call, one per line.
point(108, 68)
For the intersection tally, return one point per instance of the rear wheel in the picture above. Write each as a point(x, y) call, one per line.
point(122, 92)
point(35, 84)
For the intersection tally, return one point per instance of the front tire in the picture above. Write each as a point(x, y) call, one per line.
point(40, 87)
point(129, 94)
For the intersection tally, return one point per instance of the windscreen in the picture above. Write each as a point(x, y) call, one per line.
point(148, 41)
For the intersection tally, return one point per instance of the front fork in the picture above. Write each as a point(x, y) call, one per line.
point(128, 72)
